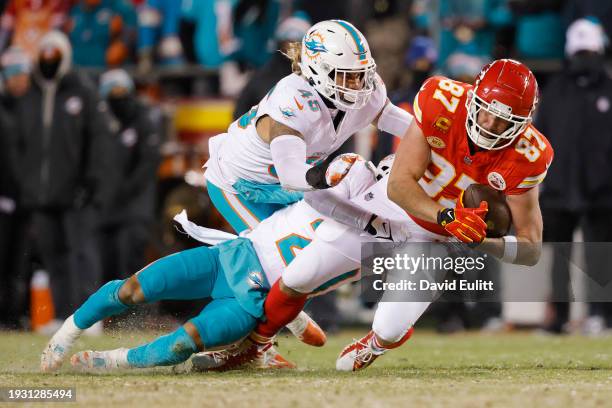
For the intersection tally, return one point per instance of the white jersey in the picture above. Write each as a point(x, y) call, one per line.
point(375, 200)
point(280, 237)
point(241, 154)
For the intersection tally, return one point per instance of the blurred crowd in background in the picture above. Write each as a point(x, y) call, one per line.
point(106, 107)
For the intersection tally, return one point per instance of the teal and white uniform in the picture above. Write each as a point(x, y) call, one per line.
point(240, 173)
point(236, 274)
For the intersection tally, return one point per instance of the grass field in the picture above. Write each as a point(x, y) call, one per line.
point(467, 370)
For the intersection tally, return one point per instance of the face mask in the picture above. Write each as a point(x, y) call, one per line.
point(586, 65)
point(49, 69)
point(123, 107)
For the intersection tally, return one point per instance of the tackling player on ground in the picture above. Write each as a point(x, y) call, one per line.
point(235, 273)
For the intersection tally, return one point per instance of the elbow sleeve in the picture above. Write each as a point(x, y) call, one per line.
point(394, 120)
point(289, 157)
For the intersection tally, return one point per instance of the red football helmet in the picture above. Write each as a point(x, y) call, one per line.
point(508, 90)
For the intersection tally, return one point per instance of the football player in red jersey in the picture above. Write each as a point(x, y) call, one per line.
point(481, 134)
point(464, 134)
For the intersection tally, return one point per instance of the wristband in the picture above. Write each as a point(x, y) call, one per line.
point(510, 249)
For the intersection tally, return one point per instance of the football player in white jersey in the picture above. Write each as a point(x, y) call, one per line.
point(236, 274)
point(266, 158)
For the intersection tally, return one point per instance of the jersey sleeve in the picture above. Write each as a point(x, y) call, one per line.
point(293, 107)
point(379, 96)
point(335, 202)
point(535, 157)
point(361, 176)
point(422, 105)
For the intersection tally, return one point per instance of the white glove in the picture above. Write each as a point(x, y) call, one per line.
point(385, 230)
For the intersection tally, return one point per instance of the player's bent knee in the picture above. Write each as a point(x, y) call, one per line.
point(222, 322)
point(131, 292)
point(289, 291)
point(297, 284)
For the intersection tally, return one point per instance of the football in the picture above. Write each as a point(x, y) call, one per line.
point(499, 217)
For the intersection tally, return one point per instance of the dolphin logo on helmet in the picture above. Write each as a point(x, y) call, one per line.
point(315, 45)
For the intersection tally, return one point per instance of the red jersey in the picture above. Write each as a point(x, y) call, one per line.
point(441, 113)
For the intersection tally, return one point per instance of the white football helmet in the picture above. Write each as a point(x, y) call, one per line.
point(335, 53)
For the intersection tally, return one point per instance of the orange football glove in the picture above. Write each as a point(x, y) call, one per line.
point(466, 224)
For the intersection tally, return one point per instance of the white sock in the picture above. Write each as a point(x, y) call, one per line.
point(118, 358)
point(68, 333)
point(298, 325)
point(376, 347)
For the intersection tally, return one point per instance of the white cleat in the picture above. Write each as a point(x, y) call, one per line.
point(307, 330)
point(361, 353)
point(100, 360)
point(357, 355)
point(58, 347)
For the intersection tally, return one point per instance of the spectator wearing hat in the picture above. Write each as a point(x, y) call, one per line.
point(16, 68)
point(575, 114)
point(601, 10)
point(66, 173)
point(290, 30)
point(137, 130)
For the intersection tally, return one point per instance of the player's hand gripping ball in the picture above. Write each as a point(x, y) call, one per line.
point(339, 168)
point(466, 224)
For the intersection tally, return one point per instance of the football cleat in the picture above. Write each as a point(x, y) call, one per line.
point(361, 353)
point(307, 330)
point(247, 354)
point(100, 360)
point(358, 355)
point(60, 344)
point(273, 359)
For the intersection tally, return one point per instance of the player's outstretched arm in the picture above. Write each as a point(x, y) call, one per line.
point(411, 161)
point(526, 247)
point(393, 119)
